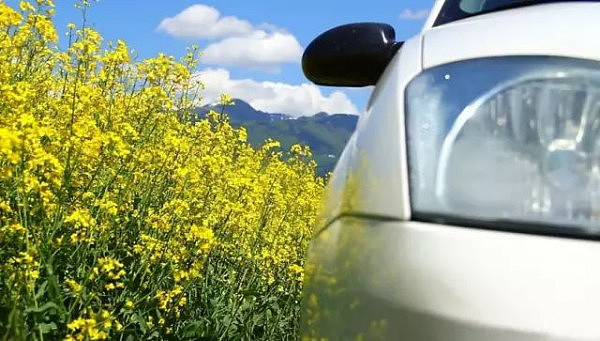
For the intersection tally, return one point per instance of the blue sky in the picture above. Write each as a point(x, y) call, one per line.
point(253, 48)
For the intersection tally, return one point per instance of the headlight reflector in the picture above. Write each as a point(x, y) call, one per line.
point(507, 139)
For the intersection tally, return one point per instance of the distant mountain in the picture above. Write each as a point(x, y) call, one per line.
point(242, 112)
point(325, 134)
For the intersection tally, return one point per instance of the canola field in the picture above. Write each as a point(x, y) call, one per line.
point(122, 215)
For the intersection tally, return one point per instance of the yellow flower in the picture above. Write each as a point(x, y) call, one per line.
point(74, 286)
point(26, 6)
point(108, 265)
point(226, 99)
point(9, 141)
point(76, 324)
point(80, 217)
point(4, 206)
point(15, 228)
point(8, 16)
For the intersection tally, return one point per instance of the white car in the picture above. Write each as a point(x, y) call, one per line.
point(466, 206)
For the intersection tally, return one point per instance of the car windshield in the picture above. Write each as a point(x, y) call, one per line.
point(453, 10)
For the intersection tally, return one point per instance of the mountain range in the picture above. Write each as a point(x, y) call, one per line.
point(326, 134)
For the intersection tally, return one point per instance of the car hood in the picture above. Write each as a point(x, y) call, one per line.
point(565, 29)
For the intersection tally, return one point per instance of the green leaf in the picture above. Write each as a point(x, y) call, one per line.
point(41, 290)
point(48, 305)
point(192, 329)
point(141, 321)
point(46, 327)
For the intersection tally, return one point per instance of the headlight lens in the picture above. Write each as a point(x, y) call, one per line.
point(507, 139)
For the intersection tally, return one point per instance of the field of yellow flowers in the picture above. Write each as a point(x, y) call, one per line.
point(123, 218)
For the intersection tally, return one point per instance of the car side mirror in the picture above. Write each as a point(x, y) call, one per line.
point(350, 55)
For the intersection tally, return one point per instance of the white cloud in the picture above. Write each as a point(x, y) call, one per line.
point(296, 100)
point(418, 14)
point(260, 49)
point(201, 21)
point(263, 46)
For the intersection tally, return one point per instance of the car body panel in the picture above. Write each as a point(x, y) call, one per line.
point(555, 29)
point(433, 14)
point(419, 281)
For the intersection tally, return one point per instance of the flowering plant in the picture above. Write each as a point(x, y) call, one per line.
point(125, 216)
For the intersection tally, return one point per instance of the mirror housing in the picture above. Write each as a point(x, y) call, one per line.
point(350, 55)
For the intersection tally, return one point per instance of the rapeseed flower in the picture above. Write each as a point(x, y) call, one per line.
point(124, 213)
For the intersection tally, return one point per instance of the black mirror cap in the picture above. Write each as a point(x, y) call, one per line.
point(351, 55)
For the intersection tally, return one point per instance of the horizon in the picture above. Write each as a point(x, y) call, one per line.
point(235, 100)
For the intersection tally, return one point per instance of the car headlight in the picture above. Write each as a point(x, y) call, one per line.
point(512, 139)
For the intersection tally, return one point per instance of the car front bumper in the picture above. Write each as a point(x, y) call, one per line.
point(371, 279)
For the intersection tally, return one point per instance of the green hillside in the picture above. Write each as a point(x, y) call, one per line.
point(325, 134)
